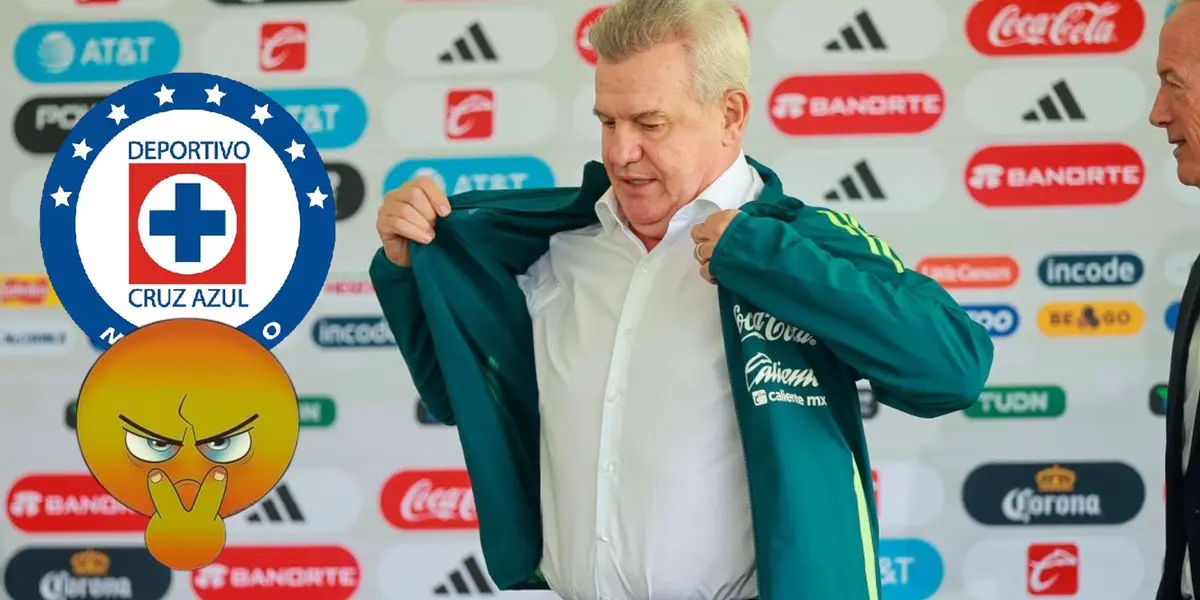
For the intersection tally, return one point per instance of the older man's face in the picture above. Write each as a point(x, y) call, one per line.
point(659, 144)
point(1177, 105)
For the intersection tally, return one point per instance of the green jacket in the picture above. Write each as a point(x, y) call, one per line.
point(810, 303)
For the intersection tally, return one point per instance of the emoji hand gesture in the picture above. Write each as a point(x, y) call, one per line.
point(183, 539)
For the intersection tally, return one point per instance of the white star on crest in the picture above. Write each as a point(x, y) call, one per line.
point(81, 149)
point(296, 150)
point(117, 114)
point(316, 198)
point(164, 95)
point(214, 95)
point(260, 114)
point(60, 197)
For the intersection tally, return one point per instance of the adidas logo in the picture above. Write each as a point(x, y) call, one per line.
point(461, 50)
point(1066, 109)
point(278, 507)
point(859, 184)
point(457, 581)
point(849, 37)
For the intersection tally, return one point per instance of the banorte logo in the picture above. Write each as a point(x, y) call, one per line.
point(292, 572)
point(1054, 175)
point(68, 503)
point(425, 500)
point(1054, 27)
point(970, 272)
point(856, 104)
point(588, 53)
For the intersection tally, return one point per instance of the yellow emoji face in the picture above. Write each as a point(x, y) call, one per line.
point(187, 416)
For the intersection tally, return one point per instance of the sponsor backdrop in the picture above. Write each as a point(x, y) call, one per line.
point(1001, 147)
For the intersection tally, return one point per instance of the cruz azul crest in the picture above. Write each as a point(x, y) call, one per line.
point(772, 351)
point(187, 195)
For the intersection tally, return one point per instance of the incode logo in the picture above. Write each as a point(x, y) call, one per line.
point(1061, 270)
point(352, 332)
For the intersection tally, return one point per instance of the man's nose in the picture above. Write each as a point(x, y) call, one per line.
point(1160, 111)
point(624, 146)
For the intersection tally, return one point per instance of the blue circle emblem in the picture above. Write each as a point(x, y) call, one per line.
point(187, 195)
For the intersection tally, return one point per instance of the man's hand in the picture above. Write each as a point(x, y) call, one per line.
point(183, 539)
point(706, 235)
point(408, 214)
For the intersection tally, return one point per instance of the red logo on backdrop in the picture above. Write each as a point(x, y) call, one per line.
point(875, 487)
point(96, 1)
point(1043, 27)
point(1054, 175)
point(292, 572)
point(283, 46)
point(856, 104)
point(584, 47)
point(425, 500)
point(1052, 570)
point(68, 503)
point(470, 114)
point(187, 219)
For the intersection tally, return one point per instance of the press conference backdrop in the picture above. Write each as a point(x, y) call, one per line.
point(1001, 147)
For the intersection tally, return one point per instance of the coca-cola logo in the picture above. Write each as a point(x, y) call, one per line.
point(1054, 175)
point(1046, 27)
point(582, 45)
point(423, 500)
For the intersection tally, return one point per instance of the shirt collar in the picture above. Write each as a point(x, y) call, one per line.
point(730, 190)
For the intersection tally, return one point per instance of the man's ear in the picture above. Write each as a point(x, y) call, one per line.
point(735, 107)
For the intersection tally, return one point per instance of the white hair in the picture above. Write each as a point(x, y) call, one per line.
point(717, 49)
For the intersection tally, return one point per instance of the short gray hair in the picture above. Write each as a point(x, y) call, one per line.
point(710, 31)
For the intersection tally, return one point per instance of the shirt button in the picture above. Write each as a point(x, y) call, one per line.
point(607, 466)
point(603, 538)
point(613, 398)
point(628, 333)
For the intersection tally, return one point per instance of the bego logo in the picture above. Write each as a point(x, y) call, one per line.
point(1054, 175)
point(1090, 319)
point(970, 272)
point(42, 124)
point(68, 503)
point(352, 332)
point(1000, 320)
point(1171, 316)
point(427, 500)
point(1090, 270)
point(909, 569)
point(1158, 399)
point(293, 572)
point(1054, 27)
point(856, 104)
point(76, 573)
point(317, 412)
point(1019, 401)
point(349, 190)
point(27, 291)
point(333, 118)
point(1084, 493)
point(458, 175)
point(97, 51)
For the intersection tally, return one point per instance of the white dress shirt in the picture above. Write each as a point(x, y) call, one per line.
point(643, 477)
point(1192, 385)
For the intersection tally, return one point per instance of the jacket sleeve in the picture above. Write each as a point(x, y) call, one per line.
point(396, 290)
point(895, 327)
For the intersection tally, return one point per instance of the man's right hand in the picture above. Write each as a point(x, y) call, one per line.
point(408, 214)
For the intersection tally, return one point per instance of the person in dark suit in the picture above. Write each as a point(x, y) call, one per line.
point(1177, 110)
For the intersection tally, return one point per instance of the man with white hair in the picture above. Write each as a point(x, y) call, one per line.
point(1177, 110)
point(683, 440)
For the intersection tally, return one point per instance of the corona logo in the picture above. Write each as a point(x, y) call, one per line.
point(90, 563)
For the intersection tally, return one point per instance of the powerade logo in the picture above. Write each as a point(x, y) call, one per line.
point(334, 118)
point(1000, 320)
point(909, 569)
point(352, 332)
point(96, 51)
point(1078, 270)
point(458, 175)
point(1172, 315)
